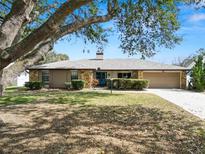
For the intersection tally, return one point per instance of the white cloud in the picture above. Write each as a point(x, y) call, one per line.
point(197, 17)
point(191, 30)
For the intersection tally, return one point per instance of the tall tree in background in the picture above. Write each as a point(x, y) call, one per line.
point(53, 57)
point(12, 72)
point(30, 28)
point(198, 74)
point(187, 61)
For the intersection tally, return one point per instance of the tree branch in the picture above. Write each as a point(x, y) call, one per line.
point(13, 71)
point(38, 36)
point(70, 28)
point(13, 21)
point(1, 20)
point(67, 29)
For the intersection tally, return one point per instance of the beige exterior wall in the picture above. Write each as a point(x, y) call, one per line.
point(159, 79)
point(112, 74)
point(135, 74)
point(140, 75)
point(58, 78)
point(183, 80)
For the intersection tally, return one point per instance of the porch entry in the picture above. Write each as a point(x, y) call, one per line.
point(101, 77)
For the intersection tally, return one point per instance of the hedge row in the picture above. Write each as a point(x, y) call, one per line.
point(132, 84)
point(75, 84)
point(135, 84)
point(34, 85)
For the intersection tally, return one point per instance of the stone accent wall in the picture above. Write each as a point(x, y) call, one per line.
point(34, 75)
point(140, 74)
point(135, 74)
point(87, 76)
point(183, 79)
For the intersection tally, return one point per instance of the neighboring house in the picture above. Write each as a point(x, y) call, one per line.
point(56, 74)
point(189, 63)
point(22, 78)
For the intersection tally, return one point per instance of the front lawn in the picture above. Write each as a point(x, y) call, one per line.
point(60, 121)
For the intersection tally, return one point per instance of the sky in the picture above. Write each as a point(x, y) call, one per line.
point(192, 31)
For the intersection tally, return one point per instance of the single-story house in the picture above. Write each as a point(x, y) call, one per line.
point(54, 75)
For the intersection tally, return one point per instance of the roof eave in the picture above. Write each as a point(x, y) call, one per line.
point(181, 69)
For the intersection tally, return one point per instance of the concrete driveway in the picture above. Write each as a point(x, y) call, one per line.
point(193, 102)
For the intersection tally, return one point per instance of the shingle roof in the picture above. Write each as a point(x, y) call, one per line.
point(191, 62)
point(109, 64)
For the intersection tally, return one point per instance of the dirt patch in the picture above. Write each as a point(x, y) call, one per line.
point(9, 118)
point(50, 128)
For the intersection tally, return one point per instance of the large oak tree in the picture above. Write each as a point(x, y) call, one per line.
point(29, 28)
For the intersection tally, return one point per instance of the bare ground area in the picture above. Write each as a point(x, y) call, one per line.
point(46, 127)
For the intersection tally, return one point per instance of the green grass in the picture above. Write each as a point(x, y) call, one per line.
point(97, 122)
point(20, 96)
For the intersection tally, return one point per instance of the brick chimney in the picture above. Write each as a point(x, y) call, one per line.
point(99, 55)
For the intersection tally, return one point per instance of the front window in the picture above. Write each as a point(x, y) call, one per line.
point(124, 75)
point(45, 76)
point(74, 75)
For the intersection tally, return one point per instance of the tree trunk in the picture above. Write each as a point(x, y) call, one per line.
point(13, 22)
point(41, 34)
point(14, 70)
point(12, 50)
point(32, 58)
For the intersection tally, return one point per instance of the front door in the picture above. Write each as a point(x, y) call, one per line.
point(101, 77)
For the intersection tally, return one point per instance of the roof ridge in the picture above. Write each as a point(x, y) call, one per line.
point(110, 64)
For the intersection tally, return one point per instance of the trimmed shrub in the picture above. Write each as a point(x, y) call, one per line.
point(34, 85)
point(78, 84)
point(68, 85)
point(120, 83)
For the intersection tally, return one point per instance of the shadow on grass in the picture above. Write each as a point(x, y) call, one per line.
point(15, 100)
point(16, 96)
point(81, 98)
point(101, 129)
